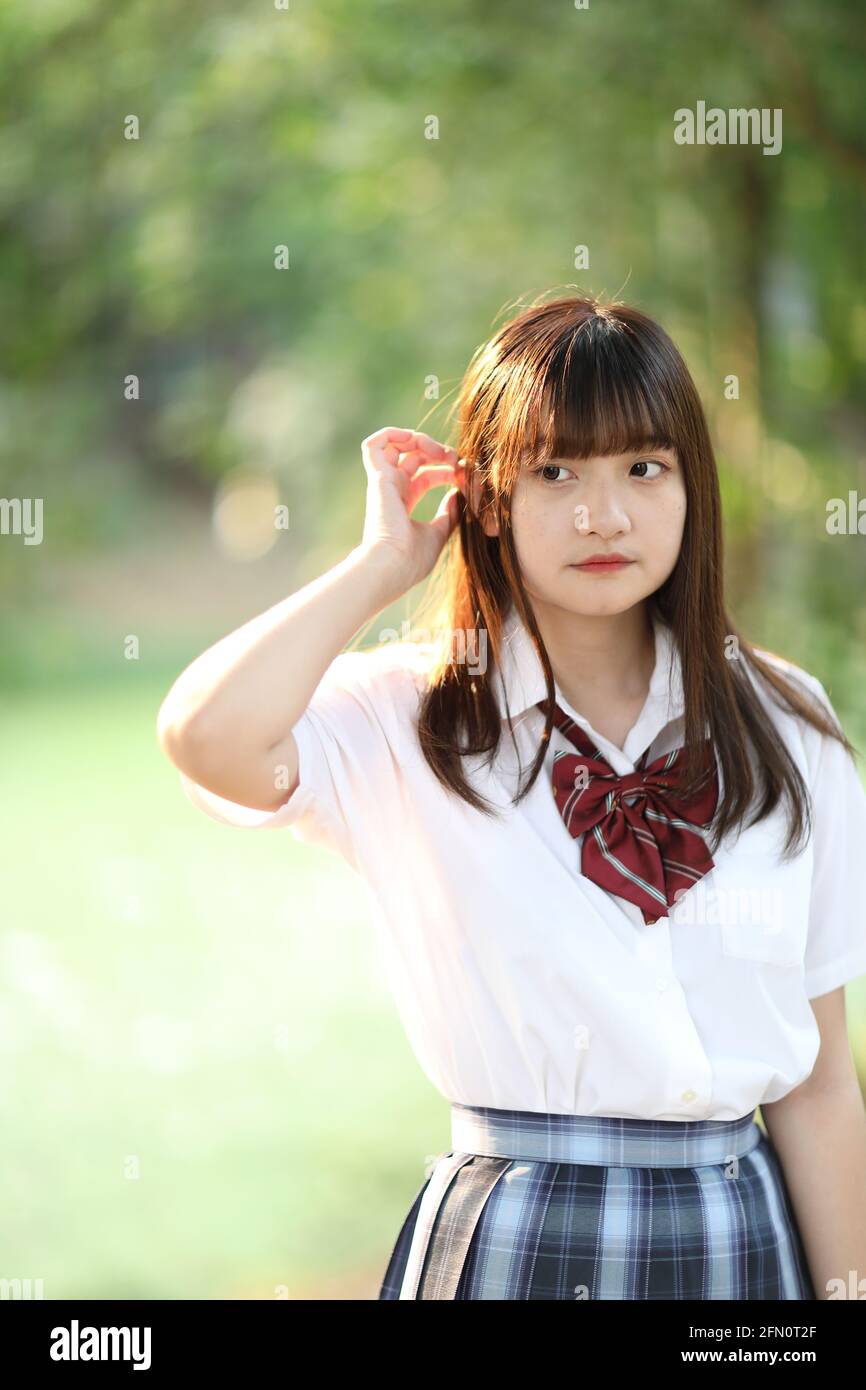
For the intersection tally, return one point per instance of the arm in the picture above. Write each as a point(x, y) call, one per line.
point(819, 1133)
point(227, 720)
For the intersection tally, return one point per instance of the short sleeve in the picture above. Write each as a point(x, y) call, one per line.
point(836, 944)
point(349, 754)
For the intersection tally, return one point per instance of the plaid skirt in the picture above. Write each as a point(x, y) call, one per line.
point(527, 1205)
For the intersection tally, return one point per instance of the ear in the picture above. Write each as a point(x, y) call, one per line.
point(487, 519)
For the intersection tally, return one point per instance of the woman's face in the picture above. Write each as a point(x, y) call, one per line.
point(567, 510)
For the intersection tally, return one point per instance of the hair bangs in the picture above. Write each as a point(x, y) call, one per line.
point(605, 394)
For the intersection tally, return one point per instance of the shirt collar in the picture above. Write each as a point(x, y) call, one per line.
point(520, 676)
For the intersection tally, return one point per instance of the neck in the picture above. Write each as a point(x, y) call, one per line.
point(594, 657)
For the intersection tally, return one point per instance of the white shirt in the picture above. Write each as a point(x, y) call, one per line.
point(523, 985)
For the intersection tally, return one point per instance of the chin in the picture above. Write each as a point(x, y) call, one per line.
point(600, 607)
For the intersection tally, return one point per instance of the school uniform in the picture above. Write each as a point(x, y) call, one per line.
point(603, 1064)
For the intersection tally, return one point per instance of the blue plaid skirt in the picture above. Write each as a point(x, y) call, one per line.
point(528, 1205)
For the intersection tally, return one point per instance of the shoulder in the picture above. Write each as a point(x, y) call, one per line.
point(813, 740)
point(797, 676)
point(389, 669)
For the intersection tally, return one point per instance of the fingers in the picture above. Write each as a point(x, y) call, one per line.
point(416, 463)
point(448, 505)
point(447, 514)
point(430, 476)
point(382, 449)
point(407, 449)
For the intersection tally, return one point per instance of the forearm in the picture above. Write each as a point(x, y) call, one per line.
point(252, 686)
point(820, 1138)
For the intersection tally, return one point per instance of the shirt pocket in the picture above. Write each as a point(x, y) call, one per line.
point(761, 901)
point(765, 940)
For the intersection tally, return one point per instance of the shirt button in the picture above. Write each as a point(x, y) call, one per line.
point(661, 983)
point(689, 1096)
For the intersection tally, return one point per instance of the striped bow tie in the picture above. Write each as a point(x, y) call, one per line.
point(644, 842)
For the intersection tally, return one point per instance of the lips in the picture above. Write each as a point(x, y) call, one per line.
point(598, 562)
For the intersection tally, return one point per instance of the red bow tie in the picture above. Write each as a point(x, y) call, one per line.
point(642, 839)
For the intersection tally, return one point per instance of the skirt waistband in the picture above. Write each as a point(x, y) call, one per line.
point(603, 1139)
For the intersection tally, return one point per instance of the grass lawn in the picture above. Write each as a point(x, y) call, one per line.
point(206, 1091)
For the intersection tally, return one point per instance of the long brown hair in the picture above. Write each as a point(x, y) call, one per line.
point(576, 378)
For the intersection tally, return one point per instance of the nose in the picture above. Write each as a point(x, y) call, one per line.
point(601, 511)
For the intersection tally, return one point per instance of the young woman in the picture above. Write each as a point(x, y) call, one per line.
point(613, 850)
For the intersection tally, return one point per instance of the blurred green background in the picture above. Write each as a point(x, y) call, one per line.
point(205, 1089)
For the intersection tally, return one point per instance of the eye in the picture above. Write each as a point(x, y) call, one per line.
point(555, 467)
point(547, 471)
point(651, 463)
